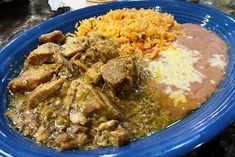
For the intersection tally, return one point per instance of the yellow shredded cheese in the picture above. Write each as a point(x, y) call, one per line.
point(178, 97)
point(176, 68)
point(216, 61)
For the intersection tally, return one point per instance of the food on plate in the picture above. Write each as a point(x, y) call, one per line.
point(135, 30)
point(87, 90)
point(55, 37)
point(190, 70)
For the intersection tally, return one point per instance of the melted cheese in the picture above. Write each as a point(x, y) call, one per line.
point(176, 67)
point(216, 61)
point(178, 97)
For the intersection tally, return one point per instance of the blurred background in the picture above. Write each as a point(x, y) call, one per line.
point(16, 16)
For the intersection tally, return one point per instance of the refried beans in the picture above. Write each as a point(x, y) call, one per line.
point(210, 55)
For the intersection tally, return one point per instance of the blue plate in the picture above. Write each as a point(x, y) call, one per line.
point(180, 138)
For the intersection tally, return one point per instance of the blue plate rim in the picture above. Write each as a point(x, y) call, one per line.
point(208, 128)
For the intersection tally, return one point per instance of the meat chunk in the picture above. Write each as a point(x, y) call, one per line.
point(83, 98)
point(79, 66)
point(62, 62)
point(93, 74)
point(107, 125)
point(111, 134)
point(67, 141)
point(70, 97)
point(100, 49)
point(47, 53)
point(44, 92)
point(54, 37)
point(74, 45)
point(119, 136)
point(43, 54)
point(31, 79)
point(120, 74)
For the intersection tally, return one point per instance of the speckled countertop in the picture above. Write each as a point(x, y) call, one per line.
point(23, 14)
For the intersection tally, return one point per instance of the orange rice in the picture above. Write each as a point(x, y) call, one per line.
point(143, 30)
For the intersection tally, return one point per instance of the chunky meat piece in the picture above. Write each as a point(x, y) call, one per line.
point(31, 79)
point(119, 136)
point(70, 97)
point(93, 74)
point(47, 53)
point(43, 54)
point(67, 141)
point(83, 98)
point(63, 62)
point(107, 125)
point(44, 92)
point(80, 67)
point(99, 49)
point(54, 37)
point(110, 134)
point(120, 74)
point(74, 45)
